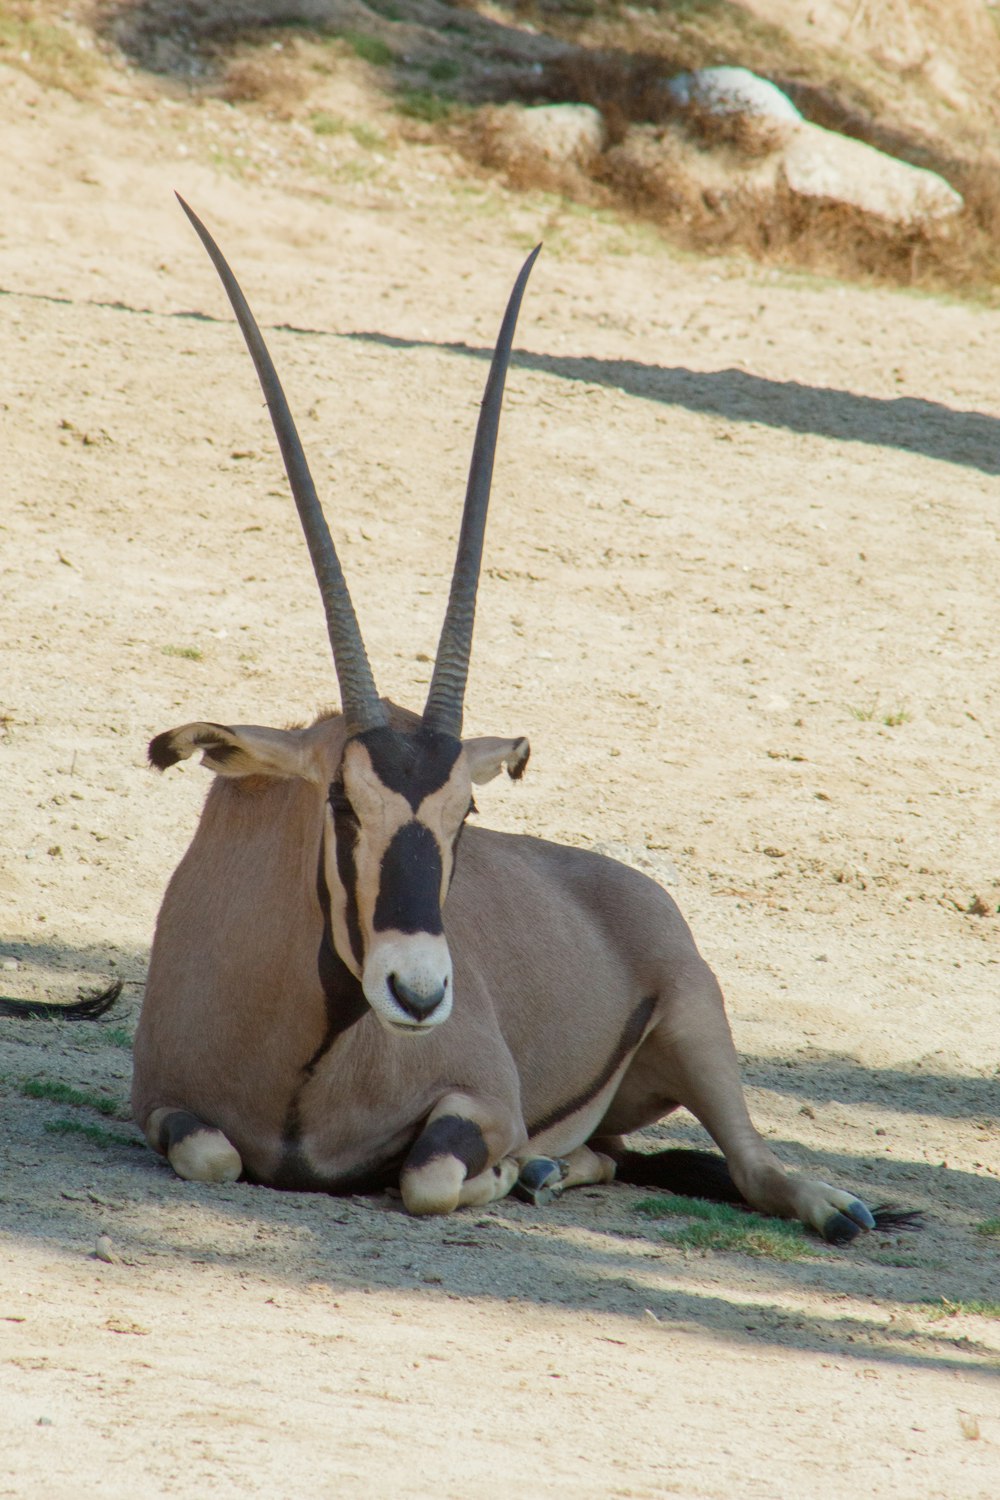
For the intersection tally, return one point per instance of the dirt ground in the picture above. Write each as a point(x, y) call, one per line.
point(741, 592)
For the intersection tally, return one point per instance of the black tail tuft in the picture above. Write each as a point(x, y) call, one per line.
point(88, 1009)
point(889, 1219)
point(692, 1174)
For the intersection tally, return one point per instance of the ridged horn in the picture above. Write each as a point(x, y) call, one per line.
point(358, 693)
point(445, 699)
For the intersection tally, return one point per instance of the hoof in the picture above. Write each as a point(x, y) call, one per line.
point(841, 1227)
point(540, 1180)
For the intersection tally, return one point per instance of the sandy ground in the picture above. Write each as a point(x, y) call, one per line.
point(741, 591)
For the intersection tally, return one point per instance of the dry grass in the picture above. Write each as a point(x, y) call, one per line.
point(437, 64)
point(274, 83)
point(36, 39)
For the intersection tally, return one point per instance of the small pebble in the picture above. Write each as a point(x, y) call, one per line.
point(104, 1250)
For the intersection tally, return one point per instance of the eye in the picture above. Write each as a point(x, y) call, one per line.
point(340, 804)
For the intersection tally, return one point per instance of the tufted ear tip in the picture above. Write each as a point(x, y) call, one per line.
point(488, 756)
point(517, 760)
point(161, 753)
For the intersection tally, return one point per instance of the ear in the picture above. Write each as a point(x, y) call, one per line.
point(245, 750)
point(486, 758)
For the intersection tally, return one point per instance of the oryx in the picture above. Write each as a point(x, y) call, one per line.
point(349, 987)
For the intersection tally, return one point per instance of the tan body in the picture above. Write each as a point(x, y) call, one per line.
point(581, 1000)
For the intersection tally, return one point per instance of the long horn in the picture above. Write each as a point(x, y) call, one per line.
point(358, 693)
point(446, 696)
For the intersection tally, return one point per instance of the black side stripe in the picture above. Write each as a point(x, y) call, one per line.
point(627, 1042)
point(345, 1004)
point(342, 993)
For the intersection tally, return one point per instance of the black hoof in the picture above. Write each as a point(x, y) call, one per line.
point(540, 1180)
point(841, 1228)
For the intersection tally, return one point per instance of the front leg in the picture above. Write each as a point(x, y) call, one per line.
point(462, 1156)
point(196, 1151)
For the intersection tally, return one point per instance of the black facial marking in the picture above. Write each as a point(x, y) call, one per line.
point(450, 1136)
point(414, 765)
point(345, 827)
point(340, 804)
point(342, 992)
point(409, 888)
point(345, 1005)
point(627, 1042)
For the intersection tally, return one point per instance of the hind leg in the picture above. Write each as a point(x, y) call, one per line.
point(689, 1059)
point(196, 1151)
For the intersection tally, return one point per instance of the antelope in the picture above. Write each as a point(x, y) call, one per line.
point(351, 987)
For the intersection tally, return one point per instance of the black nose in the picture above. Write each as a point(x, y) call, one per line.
point(417, 1003)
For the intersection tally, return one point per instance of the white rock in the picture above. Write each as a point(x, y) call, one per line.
point(670, 167)
point(819, 164)
point(731, 91)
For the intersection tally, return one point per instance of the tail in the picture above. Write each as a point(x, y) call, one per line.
point(892, 1220)
point(691, 1174)
point(87, 1009)
point(703, 1174)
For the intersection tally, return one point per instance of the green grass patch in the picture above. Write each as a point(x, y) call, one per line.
point(719, 1226)
point(49, 54)
point(989, 1227)
point(189, 653)
point(944, 1307)
point(425, 105)
point(119, 1036)
point(370, 49)
point(443, 70)
point(96, 1134)
point(62, 1093)
point(323, 123)
point(368, 138)
point(896, 1258)
point(867, 713)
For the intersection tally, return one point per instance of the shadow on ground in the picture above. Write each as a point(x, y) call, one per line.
point(908, 423)
point(591, 1251)
point(911, 1091)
